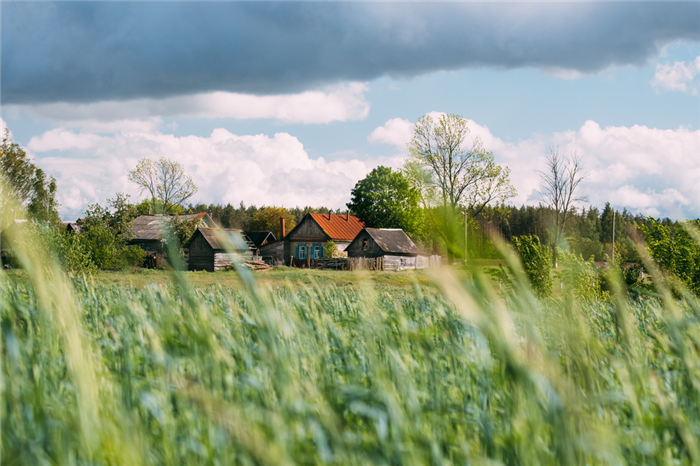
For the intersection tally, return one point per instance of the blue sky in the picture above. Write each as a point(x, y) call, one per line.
point(291, 103)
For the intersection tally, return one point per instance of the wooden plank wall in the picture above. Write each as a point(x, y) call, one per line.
point(393, 263)
point(224, 261)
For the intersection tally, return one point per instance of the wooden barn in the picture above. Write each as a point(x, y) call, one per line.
point(207, 250)
point(307, 241)
point(387, 249)
point(148, 229)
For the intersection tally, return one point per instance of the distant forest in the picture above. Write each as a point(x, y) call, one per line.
point(588, 231)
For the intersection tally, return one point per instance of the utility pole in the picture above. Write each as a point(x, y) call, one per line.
point(613, 238)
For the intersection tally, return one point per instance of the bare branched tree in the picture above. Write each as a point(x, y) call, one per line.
point(165, 180)
point(558, 189)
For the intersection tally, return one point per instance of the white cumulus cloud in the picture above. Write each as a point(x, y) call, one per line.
point(227, 168)
point(339, 103)
point(647, 170)
point(680, 76)
point(397, 132)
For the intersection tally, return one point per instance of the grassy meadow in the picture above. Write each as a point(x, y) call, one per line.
point(318, 367)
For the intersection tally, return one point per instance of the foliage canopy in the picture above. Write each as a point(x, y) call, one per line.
point(385, 199)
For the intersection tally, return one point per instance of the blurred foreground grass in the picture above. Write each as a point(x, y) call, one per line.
point(444, 371)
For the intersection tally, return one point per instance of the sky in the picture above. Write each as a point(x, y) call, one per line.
point(291, 103)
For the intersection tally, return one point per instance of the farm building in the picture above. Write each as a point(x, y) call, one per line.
point(306, 242)
point(148, 229)
point(389, 249)
point(208, 248)
point(71, 227)
point(260, 238)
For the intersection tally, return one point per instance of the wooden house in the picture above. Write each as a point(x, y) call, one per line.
point(307, 241)
point(388, 249)
point(148, 230)
point(213, 249)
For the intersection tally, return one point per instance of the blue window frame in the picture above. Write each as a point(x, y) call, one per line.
point(301, 251)
point(317, 251)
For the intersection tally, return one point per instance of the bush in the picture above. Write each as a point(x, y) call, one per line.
point(580, 278)
point(536, 262)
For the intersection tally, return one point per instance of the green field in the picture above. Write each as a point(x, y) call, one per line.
point(319, 367)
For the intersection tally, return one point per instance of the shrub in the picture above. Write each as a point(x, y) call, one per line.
point(536, 262)
point(580, 277)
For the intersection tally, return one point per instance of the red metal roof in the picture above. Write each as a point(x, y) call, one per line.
point(338, 228)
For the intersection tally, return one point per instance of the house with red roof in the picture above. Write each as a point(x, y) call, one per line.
point(307, 241)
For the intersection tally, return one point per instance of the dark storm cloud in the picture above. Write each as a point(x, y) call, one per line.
point(88, 51)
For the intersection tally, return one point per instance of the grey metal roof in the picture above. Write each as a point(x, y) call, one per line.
point(152, 226)
point(393, 240)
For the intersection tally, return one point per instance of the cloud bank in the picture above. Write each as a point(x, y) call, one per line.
point(227, 168)
point(339, 103)
point(97, 51)
point(647, 170)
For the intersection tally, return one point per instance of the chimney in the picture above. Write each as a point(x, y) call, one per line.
point(282, 227)
point(347, 215)
point(329, 215)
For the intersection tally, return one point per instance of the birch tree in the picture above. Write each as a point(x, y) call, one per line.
point(454, 171)
point(559, 182)
point(165, 181)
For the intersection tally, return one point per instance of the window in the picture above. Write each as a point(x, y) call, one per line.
point(364, 244)
point(317, 251)
point(302, 252)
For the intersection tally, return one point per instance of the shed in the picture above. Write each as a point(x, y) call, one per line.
point(260, 238)
point(307, 241)
point(393, 246)
point(273, 253)
point(148, 229)
point(72, 227)
point(208, 251)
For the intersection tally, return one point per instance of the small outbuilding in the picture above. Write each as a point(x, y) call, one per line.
point(260, 238)
point(209, 249)
point(147, 230)
point(387, 249)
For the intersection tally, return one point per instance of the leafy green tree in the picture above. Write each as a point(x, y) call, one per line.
point(165, 181)
point(331, 250)
point(385, 199)
point(673, 247)
point(43, 206)
point(106, 231)
point(536, 262)
point(24, 188)
point(268, 219)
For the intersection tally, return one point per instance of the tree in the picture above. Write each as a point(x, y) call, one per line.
point(675, 250)
point(536, 263)
point(43, 206)
point(268, 219)
point(24, 188)
point(451, 171)
point(385, 199)
point(165, 180)
point(558, 190)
